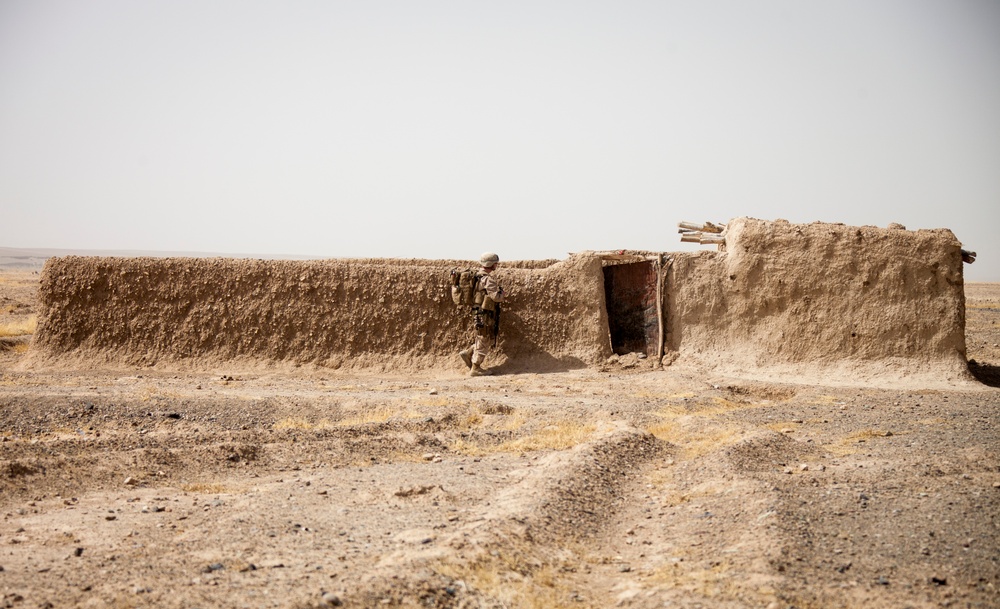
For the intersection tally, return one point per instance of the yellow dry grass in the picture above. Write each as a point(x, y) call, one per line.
point(715, 582)
point(19, 327)
point(378, 414)
point(18, 277)
point(209, 488)
point(559, 435)
point(556, 436)
point(512, 422)
point(515, 577)
point(695, 441)
point(300, 423)
point(824, 400)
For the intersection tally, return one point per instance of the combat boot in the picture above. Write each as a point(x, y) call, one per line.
point(477, 370)
point(466, 357)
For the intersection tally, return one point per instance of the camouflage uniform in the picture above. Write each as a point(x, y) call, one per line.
point(484, 334)
point(487, 289)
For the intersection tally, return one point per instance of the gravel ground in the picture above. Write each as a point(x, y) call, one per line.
point(591, 488)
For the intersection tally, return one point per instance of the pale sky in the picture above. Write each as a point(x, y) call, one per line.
point(439, 129)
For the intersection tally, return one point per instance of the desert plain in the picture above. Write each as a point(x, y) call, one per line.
point(622, 485)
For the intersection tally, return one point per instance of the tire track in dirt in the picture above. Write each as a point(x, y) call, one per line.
point(510, 547)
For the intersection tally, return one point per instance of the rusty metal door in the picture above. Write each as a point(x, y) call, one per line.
point(630, 293)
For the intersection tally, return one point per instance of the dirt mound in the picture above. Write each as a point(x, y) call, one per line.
point(768, 451)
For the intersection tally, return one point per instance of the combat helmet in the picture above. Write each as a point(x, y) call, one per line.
point(489, 260)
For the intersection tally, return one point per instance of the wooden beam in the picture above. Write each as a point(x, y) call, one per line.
point(707, 227)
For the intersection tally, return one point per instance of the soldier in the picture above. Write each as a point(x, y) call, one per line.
point(488, 295)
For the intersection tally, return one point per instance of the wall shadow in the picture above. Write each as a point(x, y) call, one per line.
point(986, 374)
point(531, 359)
point(538, 364)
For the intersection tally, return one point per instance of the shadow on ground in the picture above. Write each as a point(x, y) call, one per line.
point(986, 374)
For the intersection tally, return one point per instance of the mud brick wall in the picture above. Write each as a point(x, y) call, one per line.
point(821, 299)
point(388, 314)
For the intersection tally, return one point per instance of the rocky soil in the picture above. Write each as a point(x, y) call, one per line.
point(620, 486)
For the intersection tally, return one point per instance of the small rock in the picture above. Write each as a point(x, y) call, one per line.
point(882, 581)
point(804, 467)
point(787, 430)
point(110, 517)
point(433, 392)
point(76, 552)
point(624, 569)
point(939, 581)
point(130, 481)
point(428, 456)
point(331, 600)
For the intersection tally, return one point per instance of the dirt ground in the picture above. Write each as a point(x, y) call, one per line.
point(620, 486)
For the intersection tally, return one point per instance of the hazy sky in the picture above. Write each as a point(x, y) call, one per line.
point(431, 129)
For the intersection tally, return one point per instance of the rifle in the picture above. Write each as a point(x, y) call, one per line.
point(496, 325)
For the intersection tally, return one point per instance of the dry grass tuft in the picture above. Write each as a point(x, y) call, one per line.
point(21, 327)
point(378, 414)
point(515, 576)
point(715, 582)
point(698, 441)
point(208, 488)
point(300, 423)
point(462, 446)
point(557, 436)
point(560, 435)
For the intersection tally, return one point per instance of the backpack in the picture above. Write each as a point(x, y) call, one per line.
point(463, 286)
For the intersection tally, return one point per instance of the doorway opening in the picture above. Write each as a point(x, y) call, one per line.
point(633, 314)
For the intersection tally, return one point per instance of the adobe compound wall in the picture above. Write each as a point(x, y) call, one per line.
point(374, 314)
point(823, 302)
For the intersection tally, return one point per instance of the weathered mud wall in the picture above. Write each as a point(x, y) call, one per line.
point(821, 300)
point(383, 314)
